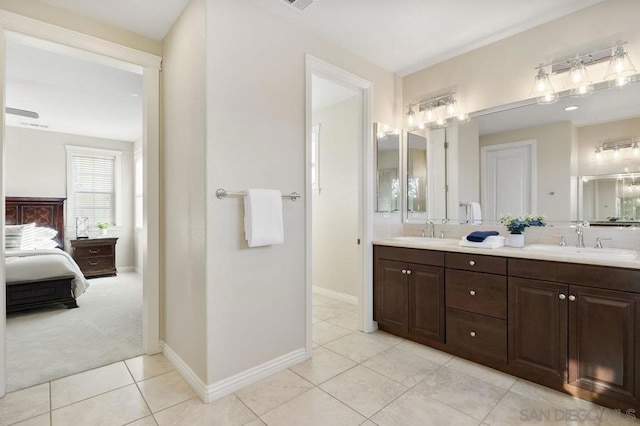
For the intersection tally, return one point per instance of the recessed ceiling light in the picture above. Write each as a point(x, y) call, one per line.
point(571, 107)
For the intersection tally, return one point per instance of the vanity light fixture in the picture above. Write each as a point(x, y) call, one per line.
point(620, 67)
point(617, 146)
point(411, 115)
point(542, 88)
point(436, 111)
point(571, 107)
point(578, 84)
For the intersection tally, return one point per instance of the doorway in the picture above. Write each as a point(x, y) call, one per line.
point(339, 208)
point(17, 26)
point(508, 179)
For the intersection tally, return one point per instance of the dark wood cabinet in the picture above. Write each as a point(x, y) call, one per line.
point(603, 341)
point(95, 256)
point(426, 301)
point(409, 296)
point(572, 327)
point(538, 327)
point(391, 296)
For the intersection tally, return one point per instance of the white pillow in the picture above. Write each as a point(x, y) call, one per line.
point(45, 244)
point(44, 233)
point(20, 237)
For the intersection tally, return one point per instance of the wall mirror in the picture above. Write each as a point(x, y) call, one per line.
point(387, 168)
point(584, 162)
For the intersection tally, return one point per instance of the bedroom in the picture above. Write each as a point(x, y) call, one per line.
point(89, 119)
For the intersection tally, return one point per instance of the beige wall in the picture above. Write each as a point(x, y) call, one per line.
point(36, 166)
point(553, 151)
point(183, 183)
point(335, 209)
point(256, 138)
point(503, 72)
point(53, 15)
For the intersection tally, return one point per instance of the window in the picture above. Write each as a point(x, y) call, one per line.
point(93, 185)
point(138, 190)
point(315, 156)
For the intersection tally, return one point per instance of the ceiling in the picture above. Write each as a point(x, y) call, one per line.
point(407, 35)
point(151, 18)
point(72, 91)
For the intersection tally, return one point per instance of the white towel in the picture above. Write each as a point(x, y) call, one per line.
point(476, 213)
point(263, 217)
point(494, 241)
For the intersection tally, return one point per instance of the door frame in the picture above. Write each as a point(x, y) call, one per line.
point(484, 151)
point(150, 64)
point(315, 66)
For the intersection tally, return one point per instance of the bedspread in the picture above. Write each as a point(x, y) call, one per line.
point(36, 265)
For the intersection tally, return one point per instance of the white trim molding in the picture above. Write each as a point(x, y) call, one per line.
point(336, 295)
point(315, 66)
point(222, 388)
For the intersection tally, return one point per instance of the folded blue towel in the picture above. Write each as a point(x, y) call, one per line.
point(480, 236)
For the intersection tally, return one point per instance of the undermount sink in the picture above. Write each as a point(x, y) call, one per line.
point(427, 240)
point(590, 252)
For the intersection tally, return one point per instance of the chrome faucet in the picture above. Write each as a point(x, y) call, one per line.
point(432, 229)
point(580, 232)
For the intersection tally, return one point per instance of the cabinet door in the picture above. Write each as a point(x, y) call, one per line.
point(390, 296)
point(603, 340)
point(426, 301)
point(538, 327)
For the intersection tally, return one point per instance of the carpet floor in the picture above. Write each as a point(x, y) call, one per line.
point(49, 343)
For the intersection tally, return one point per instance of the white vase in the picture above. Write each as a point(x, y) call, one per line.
point(515, 240)
point(103, 232)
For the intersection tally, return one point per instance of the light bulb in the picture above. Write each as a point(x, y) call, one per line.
point(636, 149)
point(598, 154)
point(440, 121)
point(431, 114)
point(421, 126)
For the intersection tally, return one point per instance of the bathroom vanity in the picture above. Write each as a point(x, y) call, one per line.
point(565, 323)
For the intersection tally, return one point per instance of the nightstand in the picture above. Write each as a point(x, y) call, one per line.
point(95, 256)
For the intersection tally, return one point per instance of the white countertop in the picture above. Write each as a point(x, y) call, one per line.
point(506, 252)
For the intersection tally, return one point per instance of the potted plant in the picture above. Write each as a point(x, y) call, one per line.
point(103, 226)
point(517, 225)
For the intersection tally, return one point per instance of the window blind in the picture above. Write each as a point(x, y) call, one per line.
point(94, 188)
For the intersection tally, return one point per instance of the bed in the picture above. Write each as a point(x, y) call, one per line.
point(36, 278)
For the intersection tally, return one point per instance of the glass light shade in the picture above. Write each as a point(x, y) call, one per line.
point(578, 80)
point(430, 115)
point(452, 108)
point(542, 84)
point(619, 66)
point(411, 117)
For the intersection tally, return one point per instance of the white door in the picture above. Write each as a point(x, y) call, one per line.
point(508, 179)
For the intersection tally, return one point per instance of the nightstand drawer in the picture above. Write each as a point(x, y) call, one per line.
point(95, 264)
point(95, 251)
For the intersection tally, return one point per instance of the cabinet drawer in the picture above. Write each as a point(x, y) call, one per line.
point(400, 254)
point(477, 292)
point(95, 251)
point(477, 334)
point(96, 263)
point(476, 263)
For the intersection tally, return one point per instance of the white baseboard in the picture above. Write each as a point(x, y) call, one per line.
point(185, 371)
point(222, 388)
point(336, 295)
point(126, 269)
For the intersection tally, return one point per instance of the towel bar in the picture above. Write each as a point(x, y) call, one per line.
point(223, 193)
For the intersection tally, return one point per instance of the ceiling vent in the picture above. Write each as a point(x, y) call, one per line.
point(299, 4)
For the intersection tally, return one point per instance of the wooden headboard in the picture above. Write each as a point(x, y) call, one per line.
point(47, 212)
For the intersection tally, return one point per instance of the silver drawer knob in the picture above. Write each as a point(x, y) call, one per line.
point(472, 334)
point(562, 296)
point(404, 271)
point(408, 271)
point(472, 292)
point(572, 298)
point(472, 262)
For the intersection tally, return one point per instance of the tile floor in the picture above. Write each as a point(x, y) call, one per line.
point(352, 379)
